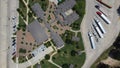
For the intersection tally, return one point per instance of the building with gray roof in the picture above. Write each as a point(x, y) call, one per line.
point(62, 8)
point(71, 66)
point(68, 20)
point(57, 40)
point(37, 31)
point(75, 38)
point(38, 10)
point(68, 4)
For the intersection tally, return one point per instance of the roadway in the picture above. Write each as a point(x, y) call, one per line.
point(3, 33)
point(112, 31)
point(12, 13)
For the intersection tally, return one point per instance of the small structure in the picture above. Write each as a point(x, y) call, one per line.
point(79, 52)
point(54, 1)
point(37, 31)
point(38, 10)
point(38, 66)
point(71, 66)
point(75, 38)
point(57, 40)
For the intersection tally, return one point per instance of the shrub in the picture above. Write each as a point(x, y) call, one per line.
point(47, 56)
point(65, 65)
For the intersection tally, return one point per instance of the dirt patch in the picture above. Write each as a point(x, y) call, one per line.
point(111, 62)
point(25, 41)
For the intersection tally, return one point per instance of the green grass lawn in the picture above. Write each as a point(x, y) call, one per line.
point(67, 35)
point(46, 64)
point(64, 56)
point(22, 7)
point(21, 24)
point(30, 17)
point(67, 38)
point(80, 43)
point(80, 9)
point(22, 59)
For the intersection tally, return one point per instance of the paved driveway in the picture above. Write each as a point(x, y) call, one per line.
point(112, 31)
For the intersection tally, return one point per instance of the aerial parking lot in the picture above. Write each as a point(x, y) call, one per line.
point(112, 29)
point(56, 33)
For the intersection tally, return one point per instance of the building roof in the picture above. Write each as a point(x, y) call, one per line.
point(71, 66)
point(66, 7)
point(75, 38)
point(55, 1)
point(68, 12)
point(38, 66)
point(38, 10)
point(37, 31)
point(68, 20)
point(68, 4)
point(57, 40)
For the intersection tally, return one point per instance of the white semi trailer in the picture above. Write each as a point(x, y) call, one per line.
point(104, 17)
point(98, 30)
point(91, 38)
point(100, 26)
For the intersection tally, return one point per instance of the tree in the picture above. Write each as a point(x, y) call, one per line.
point(29, 14)
point(68, 41)
point(21, 50)
point(117, 43)
point(22, 42)
point(42, 62)
point(47, 56)
point(65, 65)
point(73, 53)
point(115, 54)
point(78, 47)
point(58, 51)
point(102, 65)
point(118, 11)
point(53, 58)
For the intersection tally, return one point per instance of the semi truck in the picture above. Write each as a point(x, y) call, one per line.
point(103, 17)
point(101, 10)
point(98, 30)
point(100, 1)
point(91, 38)
point(100, 25)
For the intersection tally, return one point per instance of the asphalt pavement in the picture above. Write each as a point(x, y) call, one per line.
point(112, 30)
point(3, 33)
